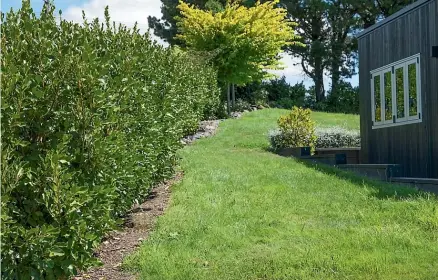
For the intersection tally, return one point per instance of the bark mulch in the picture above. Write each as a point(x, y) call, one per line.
point(138, 224)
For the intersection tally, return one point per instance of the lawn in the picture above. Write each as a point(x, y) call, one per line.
point(242, 212)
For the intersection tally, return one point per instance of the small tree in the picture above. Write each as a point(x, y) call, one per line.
point(243, 42)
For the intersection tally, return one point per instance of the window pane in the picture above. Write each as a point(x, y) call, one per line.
point(399, 92)
point(377, 104)
point(388, 96)
point(412, 74)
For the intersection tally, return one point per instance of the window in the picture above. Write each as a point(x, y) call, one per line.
point(396, 93)
point(377, 104)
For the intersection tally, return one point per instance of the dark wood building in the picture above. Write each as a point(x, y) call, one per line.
point(398, 78)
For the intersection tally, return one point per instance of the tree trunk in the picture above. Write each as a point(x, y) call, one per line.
point(233, 96)
point(319, 80)
point(336, 72)
point(228, 100)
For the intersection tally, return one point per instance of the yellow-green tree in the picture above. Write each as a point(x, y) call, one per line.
point(243, 42)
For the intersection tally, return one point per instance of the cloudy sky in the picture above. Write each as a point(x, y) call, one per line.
point(130, 11)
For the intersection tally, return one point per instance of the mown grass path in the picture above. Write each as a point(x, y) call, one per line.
point(242, 212)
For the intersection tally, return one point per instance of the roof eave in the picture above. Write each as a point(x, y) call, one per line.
point(387, 20)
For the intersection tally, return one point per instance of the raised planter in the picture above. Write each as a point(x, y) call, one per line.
point(324, 159)
point(378, 171)
point(424, 184)
point(352, 154)
point(294, 152)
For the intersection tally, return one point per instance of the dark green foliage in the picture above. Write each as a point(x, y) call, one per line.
point(165, 27)
point(283, 95)
point(92, 115)
point(276, 92)
point(250, 92)
point(327, 30)
point(214, 6)
point(370, 11)
point(344, 100)
point(315, 35)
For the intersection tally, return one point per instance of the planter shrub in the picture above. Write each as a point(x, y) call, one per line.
point(337, 137)
point(296, 129)
point(276, 139)
point(91, 119)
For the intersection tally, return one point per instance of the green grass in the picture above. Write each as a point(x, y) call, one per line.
point(242, 212)
point(322, 119)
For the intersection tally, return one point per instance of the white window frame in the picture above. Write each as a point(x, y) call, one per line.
point(394, 97)
point(404, 63)
point(373, 107)
point(382, 94)
point(418, 84)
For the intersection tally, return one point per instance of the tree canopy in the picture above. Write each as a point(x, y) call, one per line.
point(243, 42)
point(326, 28)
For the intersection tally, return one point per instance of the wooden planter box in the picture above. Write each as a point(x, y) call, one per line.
point(295, 152)
point(352, 155)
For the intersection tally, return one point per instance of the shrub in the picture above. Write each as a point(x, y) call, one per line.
point(298, 93)
point(241, 105)
point(247, 92)
point(260, 97)
point(337, 137)
point(344, 100)
point(92, 115)
point(276, 93)
point(281, 94)
point(253, 93)
point(276, 139)
point(296, 129)
point(285, 103)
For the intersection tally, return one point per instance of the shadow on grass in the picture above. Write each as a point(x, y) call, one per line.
point(383, 190)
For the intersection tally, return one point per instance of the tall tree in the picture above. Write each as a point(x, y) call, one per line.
point(327, 29)
point(243, 43)
point(311, 16)
point(166, 28)
point(370, 11)
point(343, 21)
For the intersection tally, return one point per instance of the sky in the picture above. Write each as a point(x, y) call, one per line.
point(130, 11)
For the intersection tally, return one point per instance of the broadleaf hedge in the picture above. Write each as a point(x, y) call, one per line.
point(92, 115)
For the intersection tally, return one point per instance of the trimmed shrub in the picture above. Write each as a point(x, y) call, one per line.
point(92, 116)
point(296, 129)
point(337, 137)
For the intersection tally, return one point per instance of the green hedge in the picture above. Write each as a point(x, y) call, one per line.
point(92, 116)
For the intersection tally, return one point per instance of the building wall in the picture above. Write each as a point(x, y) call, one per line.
point(414, 146)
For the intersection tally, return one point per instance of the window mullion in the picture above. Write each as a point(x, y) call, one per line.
point(382, 96)
point(419, 112)
point(406, 88)
point(394, 99)
point(373, 101)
